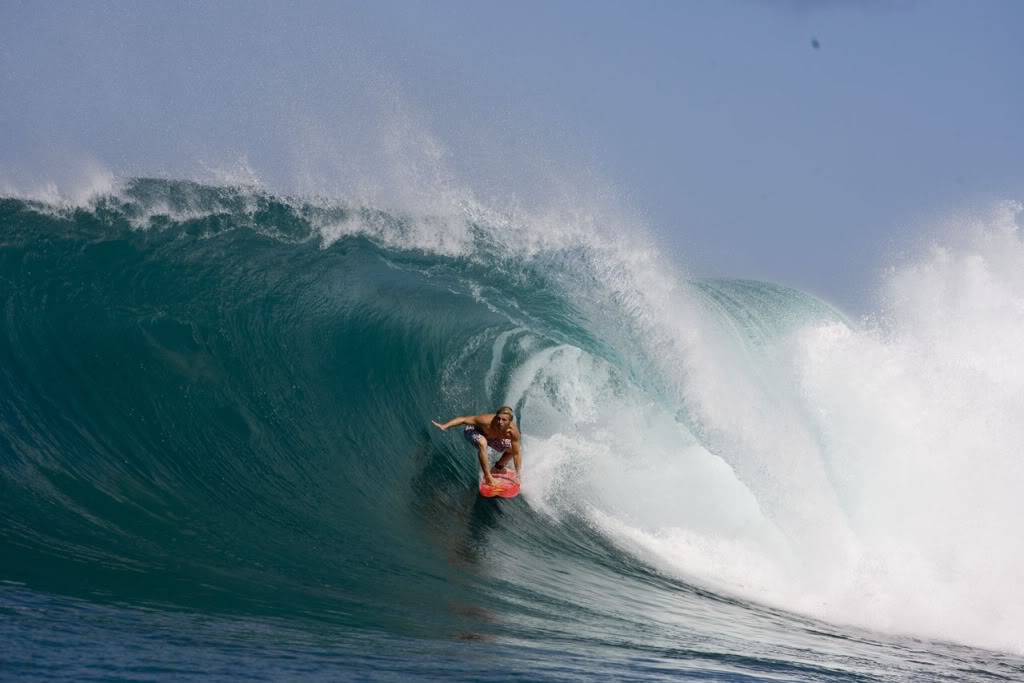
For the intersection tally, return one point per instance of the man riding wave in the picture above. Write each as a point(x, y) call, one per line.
point(496, 430)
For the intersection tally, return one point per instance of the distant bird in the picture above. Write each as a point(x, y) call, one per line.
point(815, 44)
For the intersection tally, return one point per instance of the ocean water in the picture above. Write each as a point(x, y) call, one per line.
point(216, 458)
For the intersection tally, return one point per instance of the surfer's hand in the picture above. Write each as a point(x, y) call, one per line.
point(440, 426)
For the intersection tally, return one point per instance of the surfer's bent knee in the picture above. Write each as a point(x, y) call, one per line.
point(475, 437)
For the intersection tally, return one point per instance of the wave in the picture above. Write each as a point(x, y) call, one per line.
point(220, 398)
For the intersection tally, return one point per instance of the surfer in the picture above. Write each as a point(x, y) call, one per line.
point(497, 430)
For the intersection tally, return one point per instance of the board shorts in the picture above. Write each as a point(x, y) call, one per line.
point(474, 435)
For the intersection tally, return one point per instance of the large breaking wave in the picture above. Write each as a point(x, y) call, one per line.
point(216, 397)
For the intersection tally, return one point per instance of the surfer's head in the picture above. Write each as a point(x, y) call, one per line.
point(503, 417)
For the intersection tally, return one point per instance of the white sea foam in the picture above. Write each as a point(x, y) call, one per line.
point(868, 475)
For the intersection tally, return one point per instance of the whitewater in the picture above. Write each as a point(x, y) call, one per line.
point(215, 448)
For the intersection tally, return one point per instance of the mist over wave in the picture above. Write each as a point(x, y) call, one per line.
point(220, 396)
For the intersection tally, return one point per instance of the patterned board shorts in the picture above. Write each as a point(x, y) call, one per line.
point(474, 435)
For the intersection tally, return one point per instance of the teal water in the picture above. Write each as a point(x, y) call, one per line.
point(216, 458)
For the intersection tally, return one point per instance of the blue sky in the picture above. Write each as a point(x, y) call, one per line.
point(748, 151)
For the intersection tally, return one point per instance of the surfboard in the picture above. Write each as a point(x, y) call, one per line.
point(506, 485)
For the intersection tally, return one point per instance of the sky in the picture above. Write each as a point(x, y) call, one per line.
point(805, 143)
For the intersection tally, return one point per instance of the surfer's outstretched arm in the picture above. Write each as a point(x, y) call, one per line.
point(473, 420)
point(450, 423)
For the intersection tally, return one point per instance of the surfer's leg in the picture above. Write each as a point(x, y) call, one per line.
point(482, 454)
point(474, 436)
point(501, 462)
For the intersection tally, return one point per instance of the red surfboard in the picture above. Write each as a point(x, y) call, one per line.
point(506, 485)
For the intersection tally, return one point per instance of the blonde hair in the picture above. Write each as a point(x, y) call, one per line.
point(507, 410)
